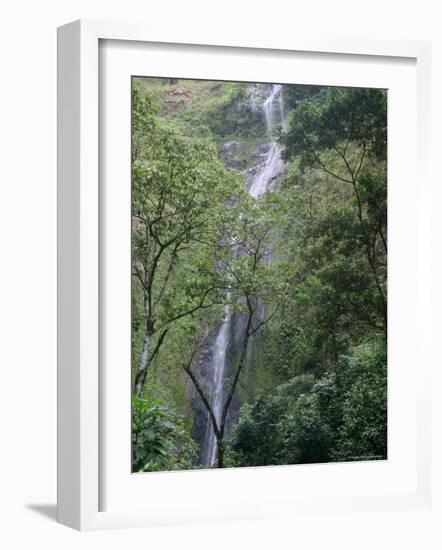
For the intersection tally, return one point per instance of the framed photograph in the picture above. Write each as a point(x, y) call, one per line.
point(242, 285)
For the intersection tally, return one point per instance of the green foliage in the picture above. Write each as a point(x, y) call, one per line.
point(205, 110)
point(296, 386)
point(333, 419)
point(295, 94)
point(307, 437)
point(342, 133)
point(233, 116)
point(363, 432)
point(159, 438)
point(335, 235)
point(180, 191)
point(337, 117)
point(258, 435)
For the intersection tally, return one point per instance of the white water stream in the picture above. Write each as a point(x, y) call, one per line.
point(268, 169)
point(273, 108)
point(218, 369)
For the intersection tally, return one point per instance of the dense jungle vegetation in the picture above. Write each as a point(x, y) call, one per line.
point(302, 267)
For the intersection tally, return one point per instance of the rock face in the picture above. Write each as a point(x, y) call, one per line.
point(238, 117)
point(233, 155)
point(229, 145)
point(258, 156)
point(261, 151)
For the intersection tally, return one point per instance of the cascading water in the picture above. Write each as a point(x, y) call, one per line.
point(267, 171)
point(273, 108)
point(218, 369)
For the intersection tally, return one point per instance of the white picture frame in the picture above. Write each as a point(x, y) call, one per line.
point(80, 437)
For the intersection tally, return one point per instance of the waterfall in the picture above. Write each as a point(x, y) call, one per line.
point(273, 109)
point(266, 173)
point(218, 369)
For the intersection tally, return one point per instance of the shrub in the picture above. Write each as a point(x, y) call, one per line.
point(159, 438)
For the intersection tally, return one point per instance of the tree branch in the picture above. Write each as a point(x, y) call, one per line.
point(201, 305)
point(159, 343)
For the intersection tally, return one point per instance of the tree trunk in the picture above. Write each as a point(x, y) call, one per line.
point(220, 440)
point(370, 258)
point(220, 459)
point(144, 363)
point(237, 374)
